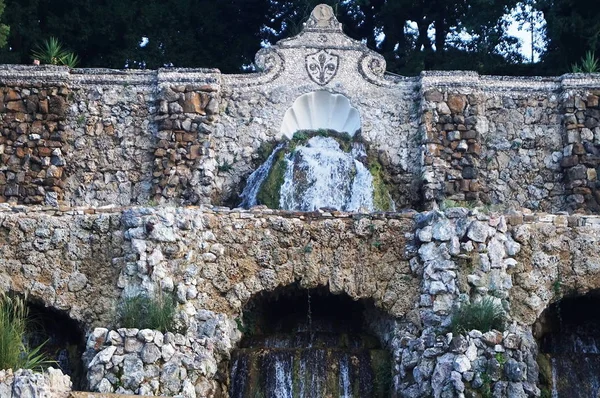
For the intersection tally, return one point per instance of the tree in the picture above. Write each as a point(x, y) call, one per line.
point(4, 29)
point(573, 28)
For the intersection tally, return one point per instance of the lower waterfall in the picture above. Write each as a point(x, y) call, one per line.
point(570, 350)
point(324, 355)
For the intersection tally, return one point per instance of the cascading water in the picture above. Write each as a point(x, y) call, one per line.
point(257, 178)
point(326, 354)
point(314, 174)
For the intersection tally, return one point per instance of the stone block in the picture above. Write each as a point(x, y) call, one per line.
point(16, 106)
point(434, 95)
point(457, 103)
point(57, 105)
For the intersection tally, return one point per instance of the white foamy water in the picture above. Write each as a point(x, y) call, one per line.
point(320, 174)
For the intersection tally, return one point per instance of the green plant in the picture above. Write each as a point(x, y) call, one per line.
point(557, 286)
point(589, 64)
point(70, 59)
point(377, 244)
point(381, 195)
point(143, 312)
point(308, 248)
point(500, 358)
point(484, 315)
point(15, 353)
point(225, 166)
point(52, 52)
point(486, 388)
point(80, 120)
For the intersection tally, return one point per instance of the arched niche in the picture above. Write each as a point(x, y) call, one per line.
point(321, 110)
point(310, 342)
point(568, 336)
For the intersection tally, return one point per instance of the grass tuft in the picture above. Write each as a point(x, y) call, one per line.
point(483, 315)
point(143, 312)
point(15, 353)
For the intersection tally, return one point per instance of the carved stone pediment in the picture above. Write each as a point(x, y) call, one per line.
point(323, 54)
point(322, 66)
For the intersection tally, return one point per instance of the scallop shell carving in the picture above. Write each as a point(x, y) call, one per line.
point(321, 110)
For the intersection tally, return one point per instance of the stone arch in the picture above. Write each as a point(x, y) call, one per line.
point(321, 110)
point(568, 336)
point(62, 339)
point(291, 332)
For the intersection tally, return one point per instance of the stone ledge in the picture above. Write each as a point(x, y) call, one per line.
point(81, 394)
point(514, 218)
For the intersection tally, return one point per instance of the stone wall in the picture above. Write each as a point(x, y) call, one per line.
point(209, 260)
point(148, 362)
point(176, 136)
point(581, 153)
point(32, 140)
point(416, 267)
point(493, 140)
point(26, 384)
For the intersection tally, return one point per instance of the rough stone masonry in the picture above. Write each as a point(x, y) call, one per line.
point(113, 183)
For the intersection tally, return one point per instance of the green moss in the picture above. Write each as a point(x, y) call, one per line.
point(543, 361)
point(270, 189)
point(382, 373)
point(302, 136)
point(381, 196)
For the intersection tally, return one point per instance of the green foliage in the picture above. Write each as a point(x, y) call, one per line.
point(14, 352)
point(4, 29)
point(51, 52)
point(573, 27)
point(271, 187)
point(500, 358)
point(381, 196)
point(484, 315)
point(382, 372)
point(107, 33)
point(264, 151)
point(143, 312)
point(225, 166)
point(588, 64)
point(302, 136)
point(307, 249)
point(449, 204)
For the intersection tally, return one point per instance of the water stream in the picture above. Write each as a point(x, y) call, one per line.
point(317, 349)
point(317, 172)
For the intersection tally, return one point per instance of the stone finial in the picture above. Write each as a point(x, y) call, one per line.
point(322, 17)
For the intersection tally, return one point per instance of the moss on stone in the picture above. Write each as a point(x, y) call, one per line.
point(302, 136)
point(271, 188)
point(264, 151)
point(382, 373)
point(381, 196)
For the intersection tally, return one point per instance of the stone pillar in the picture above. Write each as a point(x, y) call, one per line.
point(184, 162)
point(581, 161)
point(32, 135)
point(452, 142)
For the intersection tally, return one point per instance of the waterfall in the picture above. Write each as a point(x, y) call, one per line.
point(575, 361)
point(256, 179)
point(344, 378)
point(315, 174)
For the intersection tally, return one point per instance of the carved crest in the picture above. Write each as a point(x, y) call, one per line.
point(322, 66)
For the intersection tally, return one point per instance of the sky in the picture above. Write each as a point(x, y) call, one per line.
point(523, 32)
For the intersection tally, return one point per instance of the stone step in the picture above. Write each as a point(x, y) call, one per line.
point(82, 394)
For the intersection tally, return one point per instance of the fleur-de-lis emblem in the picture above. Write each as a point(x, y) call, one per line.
point(322, 66)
